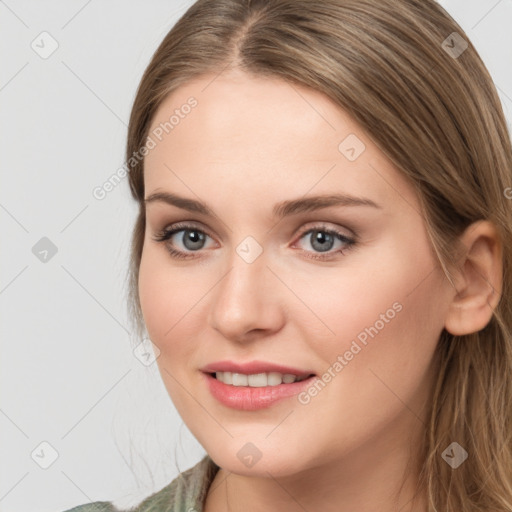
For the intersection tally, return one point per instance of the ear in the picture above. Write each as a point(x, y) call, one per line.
point(478, 281)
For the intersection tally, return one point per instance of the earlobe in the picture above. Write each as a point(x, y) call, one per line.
point(479, 280)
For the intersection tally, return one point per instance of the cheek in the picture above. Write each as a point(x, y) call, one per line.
point(386, 320)
point(169, 302)
point(386, 342)
point(167, 296)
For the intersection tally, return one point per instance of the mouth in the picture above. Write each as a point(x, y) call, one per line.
point(251, 392)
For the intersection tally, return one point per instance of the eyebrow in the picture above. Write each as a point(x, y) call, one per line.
point(280, 210)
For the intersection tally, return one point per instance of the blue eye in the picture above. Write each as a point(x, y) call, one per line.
point(193, 240)
point(323, 239)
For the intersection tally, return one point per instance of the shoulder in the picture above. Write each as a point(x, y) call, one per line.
point(186, 492)
point(98, 506)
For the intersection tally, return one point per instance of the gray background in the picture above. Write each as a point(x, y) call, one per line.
point(68, 373)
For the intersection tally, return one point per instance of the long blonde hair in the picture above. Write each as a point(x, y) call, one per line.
point(425, 98)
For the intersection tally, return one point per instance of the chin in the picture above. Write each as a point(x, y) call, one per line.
point(248, 460)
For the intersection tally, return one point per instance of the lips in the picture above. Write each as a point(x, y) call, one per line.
point(254, 367)
point(249, 398)
point(245, 398)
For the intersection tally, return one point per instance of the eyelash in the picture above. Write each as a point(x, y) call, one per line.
point(167, 233)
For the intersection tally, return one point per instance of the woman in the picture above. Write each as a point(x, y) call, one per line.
point(322, 257)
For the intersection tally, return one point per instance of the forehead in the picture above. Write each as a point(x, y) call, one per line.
point(258, 134)
point(257, 112)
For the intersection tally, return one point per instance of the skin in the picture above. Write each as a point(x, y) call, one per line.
point(250, 143)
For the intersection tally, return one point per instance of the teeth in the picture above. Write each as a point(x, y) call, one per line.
point(257, 380)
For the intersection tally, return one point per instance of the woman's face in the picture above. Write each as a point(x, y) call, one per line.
point(348, 291)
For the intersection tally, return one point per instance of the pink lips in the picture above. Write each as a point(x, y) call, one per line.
point(253, 367)
point(249, 398)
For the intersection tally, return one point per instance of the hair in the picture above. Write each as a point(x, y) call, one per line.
point(438, 118)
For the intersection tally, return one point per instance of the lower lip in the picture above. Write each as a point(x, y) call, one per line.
point(247, 398)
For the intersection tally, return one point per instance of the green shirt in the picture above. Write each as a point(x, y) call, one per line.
point(186, 493)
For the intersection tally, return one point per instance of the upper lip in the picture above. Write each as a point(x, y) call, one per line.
point(254, 367)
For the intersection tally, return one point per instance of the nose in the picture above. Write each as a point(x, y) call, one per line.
point(247, 302)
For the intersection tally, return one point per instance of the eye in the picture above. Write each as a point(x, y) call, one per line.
point(323, 239)
point(192, 239)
